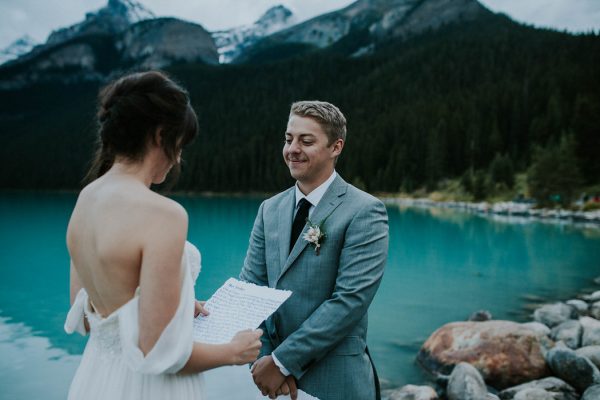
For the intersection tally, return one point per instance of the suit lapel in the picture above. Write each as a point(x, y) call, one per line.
point(331, 199)
point(285, 218)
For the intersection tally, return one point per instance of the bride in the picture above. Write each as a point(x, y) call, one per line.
point(132, 271)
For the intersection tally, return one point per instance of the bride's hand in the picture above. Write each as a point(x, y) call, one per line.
point(199, 309)
point(246, 346)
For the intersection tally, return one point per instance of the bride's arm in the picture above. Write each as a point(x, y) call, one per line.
point(74, 288)
point(242, 349)
point(74, 284)
point(163, 240)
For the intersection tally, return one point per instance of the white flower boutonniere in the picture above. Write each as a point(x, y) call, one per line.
point(314, 235)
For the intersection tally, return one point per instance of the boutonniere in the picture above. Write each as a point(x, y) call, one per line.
point(315, 234)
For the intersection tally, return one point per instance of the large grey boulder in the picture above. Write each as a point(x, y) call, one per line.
point(580, 305)
point(592, 297)
point(466, 383)
point(555, 314)
point(559, 389)
point(569, 332)
point(505, 353)
point(595, 310)
point(591, 331)
point(591, 352)
point(412, 392)
point(576, 370)
point(592, 393)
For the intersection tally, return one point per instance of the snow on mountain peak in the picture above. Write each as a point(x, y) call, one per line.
point(232, 42)
point(131, 10)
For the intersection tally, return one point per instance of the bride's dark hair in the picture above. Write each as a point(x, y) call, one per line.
point(131, 109)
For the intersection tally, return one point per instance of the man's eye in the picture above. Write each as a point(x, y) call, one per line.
point(288, 141)
point(307, 142)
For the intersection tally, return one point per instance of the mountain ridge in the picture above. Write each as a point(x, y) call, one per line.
point(355, 31)
point(381, 20)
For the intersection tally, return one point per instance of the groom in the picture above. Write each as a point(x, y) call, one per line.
point(316, 341)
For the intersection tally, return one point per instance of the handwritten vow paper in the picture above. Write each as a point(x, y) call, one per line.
point(236, 306)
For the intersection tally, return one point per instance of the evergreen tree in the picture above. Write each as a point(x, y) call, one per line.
point(554, 175)
point(502, 171)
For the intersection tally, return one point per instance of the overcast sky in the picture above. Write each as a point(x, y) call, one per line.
point(37, 18)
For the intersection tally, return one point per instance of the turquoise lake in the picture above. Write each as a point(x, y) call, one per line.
point(442, 266)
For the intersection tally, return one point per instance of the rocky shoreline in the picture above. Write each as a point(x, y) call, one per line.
point(510, 209)
point(556, 356)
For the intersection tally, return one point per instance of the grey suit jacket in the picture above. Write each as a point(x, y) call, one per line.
point(319, 333)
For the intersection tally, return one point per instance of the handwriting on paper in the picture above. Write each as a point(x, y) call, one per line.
point(236, 306)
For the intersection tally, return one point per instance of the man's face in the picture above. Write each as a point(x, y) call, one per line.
point(306, 153)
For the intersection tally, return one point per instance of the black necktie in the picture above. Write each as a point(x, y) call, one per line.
point(299, 221)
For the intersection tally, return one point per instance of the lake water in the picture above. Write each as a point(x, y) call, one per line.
point(442, 266)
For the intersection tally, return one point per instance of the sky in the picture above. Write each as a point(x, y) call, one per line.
point(37, 18)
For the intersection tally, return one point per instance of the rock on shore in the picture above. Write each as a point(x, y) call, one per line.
point(412, 392)
point(574, 369)
point(504, 352)
point(550, 387)
point(466, 383)
point(555, 314)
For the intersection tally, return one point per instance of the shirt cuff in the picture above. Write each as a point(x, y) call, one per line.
point(283, 369)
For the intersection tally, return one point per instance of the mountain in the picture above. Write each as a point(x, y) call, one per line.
point(160, 42)
point(359, 27)
point(232, 42)
point(16, 49)
point(121, 36)
point(112, 19)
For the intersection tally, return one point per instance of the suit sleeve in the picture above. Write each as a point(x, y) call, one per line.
point(361, 265)
point(255, 269)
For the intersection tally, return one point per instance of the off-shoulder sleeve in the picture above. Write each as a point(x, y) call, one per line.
point(174, 346)
point(76, 316)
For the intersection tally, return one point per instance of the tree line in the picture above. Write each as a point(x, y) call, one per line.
point(479, 102)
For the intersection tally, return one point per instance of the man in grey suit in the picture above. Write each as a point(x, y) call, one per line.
point(327, 242)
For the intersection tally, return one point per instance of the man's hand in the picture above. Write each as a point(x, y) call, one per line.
point(267, 376)
point(289, 387)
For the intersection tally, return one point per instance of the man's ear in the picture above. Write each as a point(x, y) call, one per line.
point(337, 147)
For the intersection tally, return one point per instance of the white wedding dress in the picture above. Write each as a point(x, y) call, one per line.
point(113, 367)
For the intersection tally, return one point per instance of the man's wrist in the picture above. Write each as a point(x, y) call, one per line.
point(281, 367)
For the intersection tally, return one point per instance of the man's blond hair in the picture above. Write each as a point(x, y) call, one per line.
point(326, 114)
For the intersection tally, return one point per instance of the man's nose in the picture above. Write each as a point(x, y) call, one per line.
point(294, 148)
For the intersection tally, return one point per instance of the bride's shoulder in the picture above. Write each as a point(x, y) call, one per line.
point(165, 207)
point(160, 215)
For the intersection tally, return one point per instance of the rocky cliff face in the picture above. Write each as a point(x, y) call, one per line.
point(327, 29)
point(118, 37)
point(432, 14)
point(232, 42)
point(160, 42)
point(382, 19)
point(112, 19)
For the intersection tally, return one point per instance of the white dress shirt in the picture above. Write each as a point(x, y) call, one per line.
point(313, 198)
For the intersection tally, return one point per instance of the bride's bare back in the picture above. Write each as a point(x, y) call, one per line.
point(123, 236)
point(114, 220)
